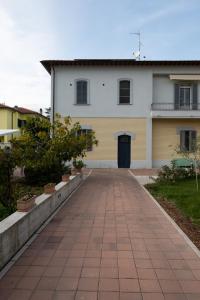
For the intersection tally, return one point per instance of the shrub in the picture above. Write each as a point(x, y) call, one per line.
point(7, 165)
point(78, 164)
point(44, 149)
point(173, 173)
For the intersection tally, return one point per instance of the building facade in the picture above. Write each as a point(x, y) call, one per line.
point(140, 110)
point(14, 118)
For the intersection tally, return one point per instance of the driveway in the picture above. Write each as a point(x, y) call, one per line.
point(110, 241)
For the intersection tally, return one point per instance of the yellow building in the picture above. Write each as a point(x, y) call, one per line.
point(14, 118)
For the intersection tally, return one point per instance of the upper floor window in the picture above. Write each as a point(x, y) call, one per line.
point(186, 97)
point(81, 92)
point(21, 123)
point(187, 140)
point(124, 91)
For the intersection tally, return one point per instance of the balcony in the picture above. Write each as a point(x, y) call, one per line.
point(170, 110)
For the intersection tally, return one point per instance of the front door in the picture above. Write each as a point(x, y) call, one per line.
point(124, 151)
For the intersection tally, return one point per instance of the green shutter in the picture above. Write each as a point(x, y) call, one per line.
point(176, 96)
point(182, 140)
point(195, 96)
point(193, 140)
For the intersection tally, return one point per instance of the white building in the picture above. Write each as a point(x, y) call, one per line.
point(140, 110)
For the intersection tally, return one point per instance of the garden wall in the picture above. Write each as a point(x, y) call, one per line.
point(16, 229)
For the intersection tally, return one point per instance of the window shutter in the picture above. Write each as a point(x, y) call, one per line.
point(195, 96)
point(84, 90)
point(193, 140)
point(176, 96)
point(182, 140)
point(81, 92)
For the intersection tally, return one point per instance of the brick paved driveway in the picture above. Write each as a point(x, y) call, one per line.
point(110, 241)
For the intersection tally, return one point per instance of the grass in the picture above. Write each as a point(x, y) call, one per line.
point(20, 189)
point(183, 194)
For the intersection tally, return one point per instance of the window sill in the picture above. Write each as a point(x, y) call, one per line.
point(124, 103)
point(82, 104)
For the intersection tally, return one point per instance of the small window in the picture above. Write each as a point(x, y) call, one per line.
point(21, 123)
point(84, 132)
point(124, 92)
point(82, 92)
point(187, 140)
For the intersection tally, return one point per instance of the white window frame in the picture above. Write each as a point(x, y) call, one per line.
point(88, 90)
point(131, 91)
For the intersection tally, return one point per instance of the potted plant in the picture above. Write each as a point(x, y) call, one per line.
point(78, 165)
point(49, 188)
point(66, 175)
point(26, 202)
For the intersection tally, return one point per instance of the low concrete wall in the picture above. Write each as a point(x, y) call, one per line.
point(16, 229)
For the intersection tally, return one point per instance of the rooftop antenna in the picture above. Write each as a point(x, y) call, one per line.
point(137, 53)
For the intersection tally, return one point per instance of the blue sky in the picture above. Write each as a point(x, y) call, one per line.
point(32, 30)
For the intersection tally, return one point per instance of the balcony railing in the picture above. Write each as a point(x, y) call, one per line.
point(173, 107)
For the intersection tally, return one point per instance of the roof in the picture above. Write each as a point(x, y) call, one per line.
point(117, 62)
point(21, 110)
point(24, 110)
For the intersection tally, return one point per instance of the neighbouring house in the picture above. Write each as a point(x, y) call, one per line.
point(12, 118)
point(140, 110)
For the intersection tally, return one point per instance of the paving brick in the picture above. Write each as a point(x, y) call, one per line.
point(88, 284)
point(110, 241)
point(108, 284)
point(129, 285)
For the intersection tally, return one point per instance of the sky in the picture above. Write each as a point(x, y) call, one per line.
point(33, 30)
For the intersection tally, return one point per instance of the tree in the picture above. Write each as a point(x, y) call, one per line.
point(7, 165)
point(48, 112)
point(45, 149)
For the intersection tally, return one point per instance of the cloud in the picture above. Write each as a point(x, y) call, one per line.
point(23, 81)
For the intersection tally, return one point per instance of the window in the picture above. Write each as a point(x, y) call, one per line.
point(124, 92)
point(84, 132)
point(187, 140)
point(21, 123)
point(81, 92)
point(185, 96)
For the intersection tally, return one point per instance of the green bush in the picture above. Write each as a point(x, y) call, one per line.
point(7, 165)
point(44, 150)
point(172, 173)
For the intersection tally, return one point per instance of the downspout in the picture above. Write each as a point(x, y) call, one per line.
point(12, 123)
point(52, 94)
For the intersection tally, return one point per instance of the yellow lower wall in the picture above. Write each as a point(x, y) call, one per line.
point(166, 138)
point(105, 128)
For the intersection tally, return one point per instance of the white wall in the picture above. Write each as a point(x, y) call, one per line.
point(163, 89)
point(150, 84)
point(103, 99)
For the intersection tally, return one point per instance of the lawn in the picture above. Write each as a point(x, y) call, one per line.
point(20, 189)
point(183, 194)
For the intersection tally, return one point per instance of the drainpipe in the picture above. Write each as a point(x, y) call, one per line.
point(52, 94)
point(12, 124)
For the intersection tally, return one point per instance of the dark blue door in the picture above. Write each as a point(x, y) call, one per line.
point(124, 151)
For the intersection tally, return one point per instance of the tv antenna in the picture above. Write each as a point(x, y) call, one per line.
point(137, 54)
